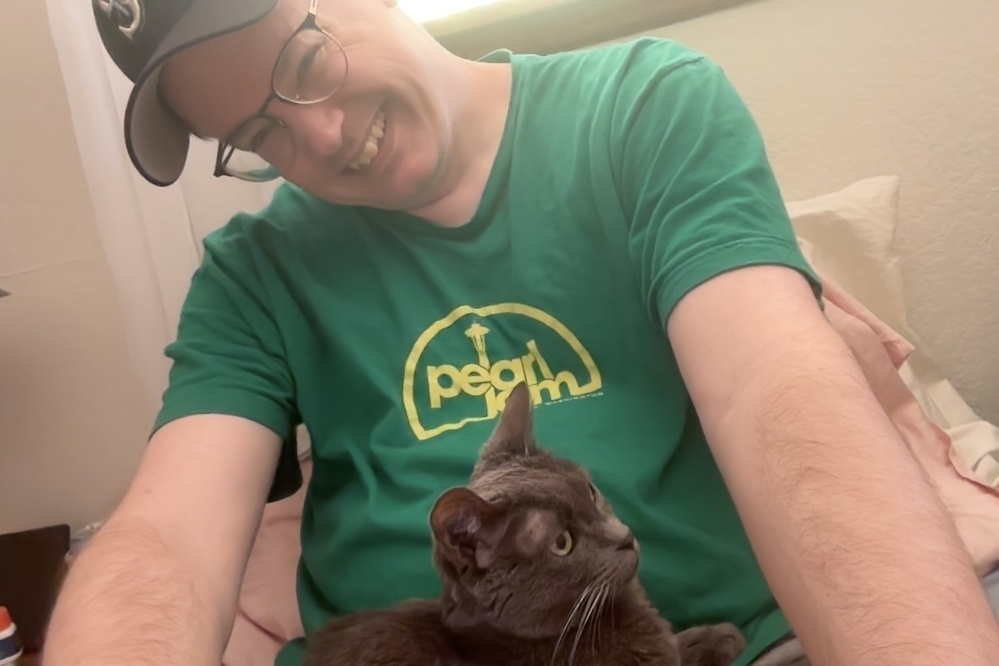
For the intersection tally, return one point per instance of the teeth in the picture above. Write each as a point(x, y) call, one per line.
point(371, 145)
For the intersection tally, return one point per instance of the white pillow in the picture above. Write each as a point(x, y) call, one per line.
point(848, 236)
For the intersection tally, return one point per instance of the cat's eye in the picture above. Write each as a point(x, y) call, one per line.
point(562, 545)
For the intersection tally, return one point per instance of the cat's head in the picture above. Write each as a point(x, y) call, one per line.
point(529, 539)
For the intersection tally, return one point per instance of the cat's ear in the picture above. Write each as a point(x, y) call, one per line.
point(467, 528)
point(514, 433)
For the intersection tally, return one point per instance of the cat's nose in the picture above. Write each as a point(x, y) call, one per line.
point(627, 542)
point(615, 530)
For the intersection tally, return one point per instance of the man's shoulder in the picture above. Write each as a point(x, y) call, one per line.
point(613, 81)
point(659, 52)
point(292, 217)
point(642, 56)
point(643, 65)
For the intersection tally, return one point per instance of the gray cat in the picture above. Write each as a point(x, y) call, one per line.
point(536, 570)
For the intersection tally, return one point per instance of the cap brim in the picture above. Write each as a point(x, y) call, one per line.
point(157, 142)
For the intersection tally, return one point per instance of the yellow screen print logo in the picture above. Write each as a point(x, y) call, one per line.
point(469, 381)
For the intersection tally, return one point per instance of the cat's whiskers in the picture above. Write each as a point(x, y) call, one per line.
point(581, 628)
point(591, 617)
point(613, 614)
point(595, 638)
point(595, 624)
point(568, 621)
point(604, 599)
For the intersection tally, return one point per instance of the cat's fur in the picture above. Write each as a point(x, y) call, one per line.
point(536, 570)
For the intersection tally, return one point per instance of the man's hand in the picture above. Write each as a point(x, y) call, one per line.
point(852, 539)
point(159, 583)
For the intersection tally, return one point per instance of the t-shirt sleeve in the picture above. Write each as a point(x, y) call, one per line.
point(228, 356)
point(695, 179)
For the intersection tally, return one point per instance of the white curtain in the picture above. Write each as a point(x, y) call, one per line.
point(151, 235)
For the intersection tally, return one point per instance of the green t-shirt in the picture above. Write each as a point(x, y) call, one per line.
point(627, 175)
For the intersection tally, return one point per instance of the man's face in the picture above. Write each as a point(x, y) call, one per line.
point(218, 85)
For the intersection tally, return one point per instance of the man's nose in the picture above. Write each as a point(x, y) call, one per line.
point(318, 129)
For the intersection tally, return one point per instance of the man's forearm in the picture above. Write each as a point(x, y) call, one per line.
point(130, 599)
point(855, 543)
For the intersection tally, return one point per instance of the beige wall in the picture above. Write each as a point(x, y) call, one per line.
point(842, 90)
point(855, 88)
point(71, 425)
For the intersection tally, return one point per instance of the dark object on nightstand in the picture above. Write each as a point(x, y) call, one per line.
point(32, 566)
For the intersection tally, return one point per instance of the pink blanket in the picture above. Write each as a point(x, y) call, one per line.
point(880, 351)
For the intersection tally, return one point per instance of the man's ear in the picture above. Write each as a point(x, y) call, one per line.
point(514, 432)
point(467, 528)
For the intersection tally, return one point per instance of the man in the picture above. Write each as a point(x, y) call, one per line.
point(603, 225)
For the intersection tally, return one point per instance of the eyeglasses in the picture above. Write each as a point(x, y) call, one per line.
point(310, 68)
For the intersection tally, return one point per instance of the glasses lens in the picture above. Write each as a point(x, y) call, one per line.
point(258, 149)
point(310, 68)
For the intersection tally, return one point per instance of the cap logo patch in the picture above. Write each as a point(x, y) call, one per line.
point(126, 13)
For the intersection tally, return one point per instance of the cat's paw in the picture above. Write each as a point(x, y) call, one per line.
point(711, 645)
point(729, 640)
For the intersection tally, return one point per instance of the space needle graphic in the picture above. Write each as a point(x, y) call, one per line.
point(477, 334)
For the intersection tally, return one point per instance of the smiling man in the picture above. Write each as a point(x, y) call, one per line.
point(602, 225)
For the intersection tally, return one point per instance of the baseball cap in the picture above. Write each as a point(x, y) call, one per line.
point(140, 36)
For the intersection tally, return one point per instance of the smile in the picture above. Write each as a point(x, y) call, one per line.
point(371, 144)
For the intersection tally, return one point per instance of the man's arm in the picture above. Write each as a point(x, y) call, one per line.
point(159, 583)
point(852, 539)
